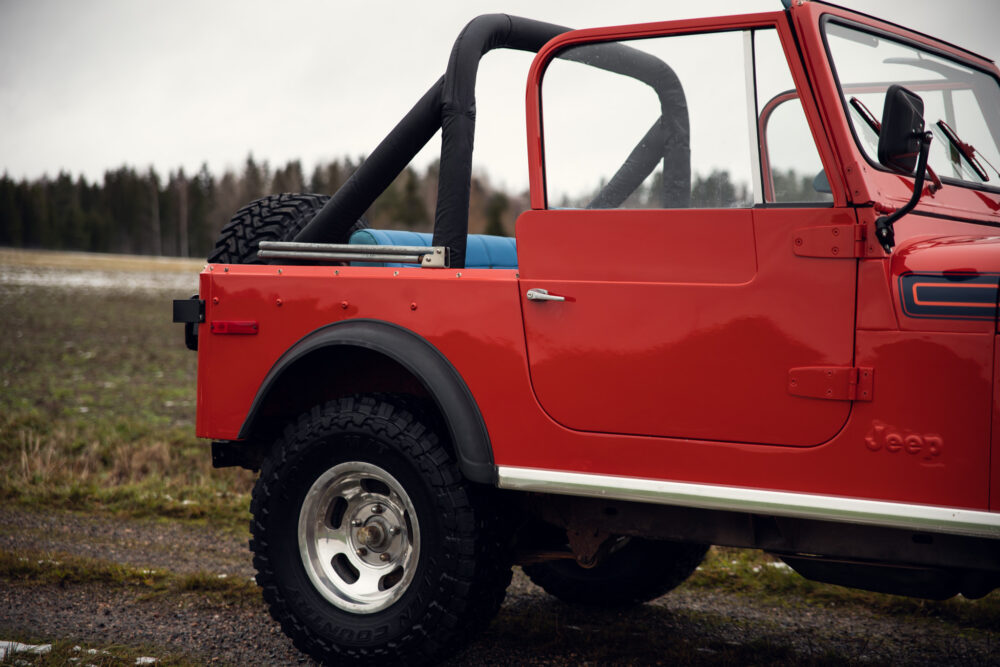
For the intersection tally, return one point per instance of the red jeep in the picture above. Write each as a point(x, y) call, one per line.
point(754, 303)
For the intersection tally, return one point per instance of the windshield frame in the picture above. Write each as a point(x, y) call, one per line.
point(991, 186)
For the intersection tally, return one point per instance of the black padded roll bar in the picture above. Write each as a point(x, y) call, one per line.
point(451, 104)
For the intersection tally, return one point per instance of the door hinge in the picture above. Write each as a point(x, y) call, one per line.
point(835, 383)
point(843, 241)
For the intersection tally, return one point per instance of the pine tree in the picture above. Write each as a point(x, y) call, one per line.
point(288, 179)
point(496, 208)
point(11, 225)
point(201, 204)
point(256, 180)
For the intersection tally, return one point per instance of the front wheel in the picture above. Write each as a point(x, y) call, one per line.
point(369, 545)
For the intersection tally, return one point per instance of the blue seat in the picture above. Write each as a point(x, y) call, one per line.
point(482, 251)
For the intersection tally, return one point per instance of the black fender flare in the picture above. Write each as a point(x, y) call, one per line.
point(414, 353)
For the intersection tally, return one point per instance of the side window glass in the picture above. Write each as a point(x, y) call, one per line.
point(790, 164)
point(663, 122)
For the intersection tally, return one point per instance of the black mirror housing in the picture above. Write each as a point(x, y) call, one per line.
point(902, 130)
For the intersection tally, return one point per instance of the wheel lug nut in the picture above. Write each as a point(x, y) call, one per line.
point(394, 530)
point(362, 552)
point(377, 509)
point(356, 522)
point(384, 557)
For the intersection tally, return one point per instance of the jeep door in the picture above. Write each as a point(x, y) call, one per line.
point(691, 302)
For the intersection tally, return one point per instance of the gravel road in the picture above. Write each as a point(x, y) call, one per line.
point(689, 625)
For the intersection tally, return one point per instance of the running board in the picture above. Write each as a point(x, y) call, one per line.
point(929, 518)
point(431, 257)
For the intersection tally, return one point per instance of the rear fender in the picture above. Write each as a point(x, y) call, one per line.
point(417, 356)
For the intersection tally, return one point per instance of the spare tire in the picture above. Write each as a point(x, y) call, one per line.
point(272, 218)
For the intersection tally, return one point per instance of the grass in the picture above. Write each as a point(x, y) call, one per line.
point(62, 652)
point(754, 574)
point(96, 261)
point(97, 406)
point(46, 568)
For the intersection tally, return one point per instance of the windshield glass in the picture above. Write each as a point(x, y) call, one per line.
point(967, 100)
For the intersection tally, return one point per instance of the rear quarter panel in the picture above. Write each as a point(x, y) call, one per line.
point(472, 316)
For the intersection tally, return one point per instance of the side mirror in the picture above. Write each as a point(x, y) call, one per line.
point(903, 147)
point(900, 139)
point(821, 183)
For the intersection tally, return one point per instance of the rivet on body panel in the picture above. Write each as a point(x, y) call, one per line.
point(278, 303)
point(344, 304)
point(413, 306)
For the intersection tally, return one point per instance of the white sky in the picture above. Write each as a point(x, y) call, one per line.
point(90, 86)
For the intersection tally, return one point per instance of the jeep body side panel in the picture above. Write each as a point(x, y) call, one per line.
point(484, 342)
point(291, 302)
point(694, 320)
point(920, 440)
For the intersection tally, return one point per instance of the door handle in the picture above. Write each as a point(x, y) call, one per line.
point(543, 295)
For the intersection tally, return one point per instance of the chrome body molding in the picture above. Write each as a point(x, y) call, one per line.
point(930, 518)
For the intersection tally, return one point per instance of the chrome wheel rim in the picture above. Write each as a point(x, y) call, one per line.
point(359, 537)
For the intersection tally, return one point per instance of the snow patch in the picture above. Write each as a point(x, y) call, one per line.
point(103, 281)
point(10, 648)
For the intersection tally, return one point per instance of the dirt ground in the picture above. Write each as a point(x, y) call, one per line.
point(689, 626)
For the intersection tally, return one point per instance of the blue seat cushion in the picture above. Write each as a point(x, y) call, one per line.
point(482, 251)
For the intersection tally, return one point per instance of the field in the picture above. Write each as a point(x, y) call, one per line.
point(118, 537)
point(97, 400)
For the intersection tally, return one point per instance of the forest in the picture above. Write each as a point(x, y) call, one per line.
point(143, 213)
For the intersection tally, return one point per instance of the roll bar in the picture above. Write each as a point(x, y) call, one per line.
point(450, 104)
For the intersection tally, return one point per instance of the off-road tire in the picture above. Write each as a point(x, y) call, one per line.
point(461, 569)
point(641, 571)
point(272, 218)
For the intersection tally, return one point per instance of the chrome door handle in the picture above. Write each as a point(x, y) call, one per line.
point(543, 295)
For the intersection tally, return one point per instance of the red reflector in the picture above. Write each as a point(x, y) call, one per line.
point(233, 327)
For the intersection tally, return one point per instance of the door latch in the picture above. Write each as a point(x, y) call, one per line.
point(543, 295)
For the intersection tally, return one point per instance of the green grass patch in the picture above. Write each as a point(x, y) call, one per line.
point(763, 577)
point(47, 652)
point(64, 569)
point(97, 410)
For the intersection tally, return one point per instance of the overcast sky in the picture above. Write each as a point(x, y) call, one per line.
point(90, 86)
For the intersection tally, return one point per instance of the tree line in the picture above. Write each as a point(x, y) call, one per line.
point(143, 213)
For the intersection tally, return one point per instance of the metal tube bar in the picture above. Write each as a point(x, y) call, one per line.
point(355, 249)
point(339, 256)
